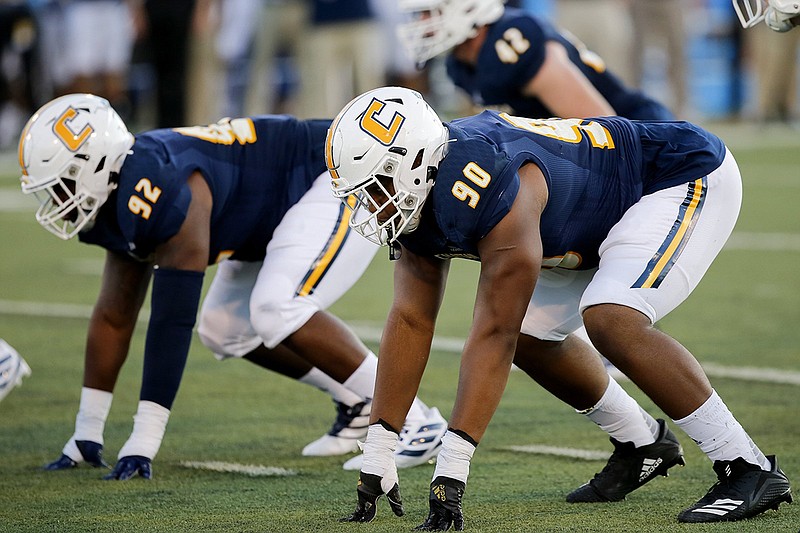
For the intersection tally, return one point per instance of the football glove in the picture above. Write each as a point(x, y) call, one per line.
point(92, 453)
point(445, 506)
point(369, 492)
point(129, 466)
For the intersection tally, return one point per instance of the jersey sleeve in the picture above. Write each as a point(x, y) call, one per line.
point(477, 191)
point(153, 201)
point(514, 53)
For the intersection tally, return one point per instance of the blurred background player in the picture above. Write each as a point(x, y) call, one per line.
point(775, 54)
point(605, 26)
point(659, 37)
point(779, 15)
point(98, 40)
point(339, 56)
point(506, 57)
point(249, 193)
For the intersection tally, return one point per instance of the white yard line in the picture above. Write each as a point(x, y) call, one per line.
point(237, 468)
point(575, 453)
point(770, 242)
point(371, 333)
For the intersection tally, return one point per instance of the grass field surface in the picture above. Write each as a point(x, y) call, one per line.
point(231, 460)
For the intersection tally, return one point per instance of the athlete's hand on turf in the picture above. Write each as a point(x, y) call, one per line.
point(129, 466)
point(445, 506)
point(369, 492)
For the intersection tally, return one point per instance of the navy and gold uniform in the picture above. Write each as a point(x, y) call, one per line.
point(512, 55)
point(256, 168)
point(595, 170)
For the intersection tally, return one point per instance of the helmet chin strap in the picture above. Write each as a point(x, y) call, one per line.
point(395, 251)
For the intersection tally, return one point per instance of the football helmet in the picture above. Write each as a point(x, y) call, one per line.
point(383, 152)
point(436, 26)
point(750, 12)
point(70, 153)
point(12, 369)
point(780, 15)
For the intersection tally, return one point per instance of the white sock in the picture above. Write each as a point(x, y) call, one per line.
point(90, 421)
point(362, 381)
point(618, 414)
point(149, 425)
point(454, 458)
point(720, 436)
point(327, 384)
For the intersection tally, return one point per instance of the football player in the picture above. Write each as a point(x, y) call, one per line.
point(611, 221)
point(779, 15)
point(250, 194)
point(506, 57)
point(509, 58)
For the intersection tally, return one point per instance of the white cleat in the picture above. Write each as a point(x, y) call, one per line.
point(419, 442)
point(350, 427)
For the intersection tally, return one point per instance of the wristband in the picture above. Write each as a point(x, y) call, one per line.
point(454, 457)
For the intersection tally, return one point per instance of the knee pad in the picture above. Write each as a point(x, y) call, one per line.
point(218, 334)
point(274, 319)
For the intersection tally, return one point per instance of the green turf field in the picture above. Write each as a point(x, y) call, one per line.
point(744, 318)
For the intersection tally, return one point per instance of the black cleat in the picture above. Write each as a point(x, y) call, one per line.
point(630, 467)
point(743, 490)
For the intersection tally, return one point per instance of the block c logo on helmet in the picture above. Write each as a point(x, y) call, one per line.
point(73, 141)
point(382, 133)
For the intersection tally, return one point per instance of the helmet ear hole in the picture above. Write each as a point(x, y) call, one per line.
point(431, 175)
point(418, 160)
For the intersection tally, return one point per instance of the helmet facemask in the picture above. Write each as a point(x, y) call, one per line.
point(65, 208)
point(380, 211)
point(750, 12)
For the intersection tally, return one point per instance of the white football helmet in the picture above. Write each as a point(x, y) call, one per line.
point(12, 369)
point(780, 15)
point(750, 12)
point(436, 26)
point(383, 151)
point(68, 152)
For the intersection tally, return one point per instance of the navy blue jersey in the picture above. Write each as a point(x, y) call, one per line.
point(595, 170)
point(511, 57)
point(256, 169)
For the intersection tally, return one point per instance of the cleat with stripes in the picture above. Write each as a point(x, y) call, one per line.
point(742, 490)
point(630, 467)
point(350, 427)
point(419, 442)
